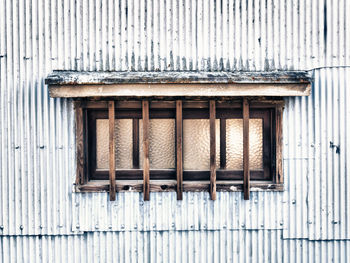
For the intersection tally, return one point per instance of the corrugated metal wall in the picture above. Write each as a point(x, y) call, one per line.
point(318, 193)
point(172, 246)
point(41, 218)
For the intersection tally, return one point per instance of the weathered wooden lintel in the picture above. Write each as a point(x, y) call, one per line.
point(180, 90)
point(64, 77)
point(169, 84)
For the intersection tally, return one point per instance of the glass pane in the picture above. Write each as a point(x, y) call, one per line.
point(234, 144)
point(256, 144)
point(123, 147)
point(102, 161)
point(196, 144)
point(162, 143)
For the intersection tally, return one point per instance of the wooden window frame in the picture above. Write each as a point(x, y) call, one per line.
point(146, 180)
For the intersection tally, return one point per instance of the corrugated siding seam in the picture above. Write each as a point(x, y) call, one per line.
point(171, 246)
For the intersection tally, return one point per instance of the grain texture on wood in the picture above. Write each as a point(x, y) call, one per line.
point(145, 122)
point(213, 90)
point(179, 156)
point(66, 77)
point(279, 138)
point(170, 186)
point(170, 174)
point(246, 172)
point(80, 143)
point(111, 116)
point(212, 114)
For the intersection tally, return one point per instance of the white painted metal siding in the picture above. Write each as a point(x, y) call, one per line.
point(41, 218)
point(318, 182)
point(172, 246)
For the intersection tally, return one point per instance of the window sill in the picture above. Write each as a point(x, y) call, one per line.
point(170, 186)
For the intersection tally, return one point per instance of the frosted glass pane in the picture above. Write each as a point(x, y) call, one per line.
point(234, 144)
point(161, 143)
point(123, 140)
point(102, 161)
point(123, 147)
point(256, 144)
point(196, 144)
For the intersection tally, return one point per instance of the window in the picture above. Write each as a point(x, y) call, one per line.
point(179, 131)
point(188, 145)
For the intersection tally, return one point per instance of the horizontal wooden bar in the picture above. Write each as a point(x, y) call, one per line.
point(187, 114)
point(170, 186)
point(137, 174)
point(67, 77)
point(229, 103)
point(178, 90)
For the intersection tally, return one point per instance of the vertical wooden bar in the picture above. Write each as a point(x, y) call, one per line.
point(145, 122)
point(223, 143)
point(87, 146)
point(111, 117)
point(179, 156)
point(79, 126)
point(135, 144)
point(279, 118)
point(212, 113)
point(246, 172)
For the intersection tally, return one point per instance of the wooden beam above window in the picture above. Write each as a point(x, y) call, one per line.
point(66, 77)
point(187, 84)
